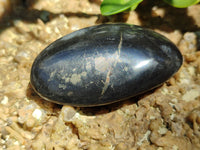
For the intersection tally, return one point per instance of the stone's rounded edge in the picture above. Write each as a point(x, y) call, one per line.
point(76, 104)
point(177, 53)
point(75, 35)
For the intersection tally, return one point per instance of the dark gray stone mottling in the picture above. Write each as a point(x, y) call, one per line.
point(104, 64)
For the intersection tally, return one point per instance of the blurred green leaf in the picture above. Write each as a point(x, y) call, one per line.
point(111, 7)
point(182, 3)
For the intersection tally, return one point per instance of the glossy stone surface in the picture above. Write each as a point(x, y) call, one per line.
point(104, 64)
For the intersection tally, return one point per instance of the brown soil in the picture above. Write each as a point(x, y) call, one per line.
point(167, 118)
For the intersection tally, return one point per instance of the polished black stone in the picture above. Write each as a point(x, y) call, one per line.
point(104, 64)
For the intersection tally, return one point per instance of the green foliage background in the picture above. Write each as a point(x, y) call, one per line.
point(111, 7)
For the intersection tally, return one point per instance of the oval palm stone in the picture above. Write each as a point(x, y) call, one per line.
point(104, 64)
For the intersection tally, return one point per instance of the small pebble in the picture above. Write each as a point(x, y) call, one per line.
point(103, 64)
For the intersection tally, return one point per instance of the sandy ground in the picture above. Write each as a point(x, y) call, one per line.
point(167, 118)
